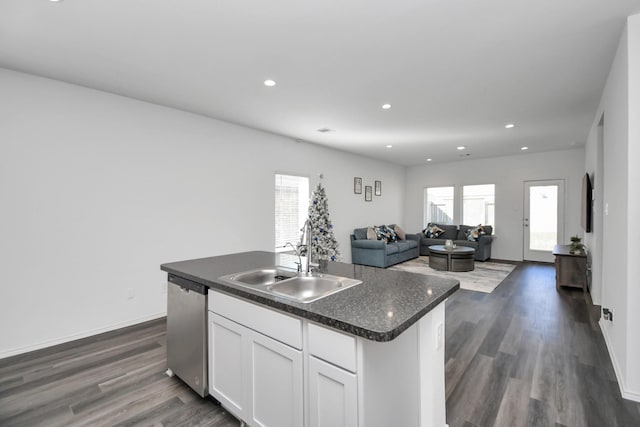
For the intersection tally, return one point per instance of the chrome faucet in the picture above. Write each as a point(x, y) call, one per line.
point(297, 252)
point(306, 231)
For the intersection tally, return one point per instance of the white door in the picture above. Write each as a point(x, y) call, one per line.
point(333, 396)
point(276, 379)
point(228, 365)
point(543, 221)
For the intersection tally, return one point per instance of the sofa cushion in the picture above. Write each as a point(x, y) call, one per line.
point(391, 248)
point(360, 233)
point(405, 245)
point(450, 231)
point(399, 232)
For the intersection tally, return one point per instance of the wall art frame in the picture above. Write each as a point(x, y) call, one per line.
point(357, 185)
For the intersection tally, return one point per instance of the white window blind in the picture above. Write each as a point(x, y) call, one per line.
point(478, 204)
point(438, 205)
point(292, 201)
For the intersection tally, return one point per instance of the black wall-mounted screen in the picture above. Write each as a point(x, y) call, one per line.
point(586, 217)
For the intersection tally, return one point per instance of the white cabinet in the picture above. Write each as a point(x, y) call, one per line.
point(333, 395)
point(271, 369)
point(276, 382)
point(257, 378)
point(228, 369)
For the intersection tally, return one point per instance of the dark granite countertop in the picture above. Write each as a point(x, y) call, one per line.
point(381, 308)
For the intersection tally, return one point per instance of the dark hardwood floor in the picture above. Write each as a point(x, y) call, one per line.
point(525, 355)
point(528, 355)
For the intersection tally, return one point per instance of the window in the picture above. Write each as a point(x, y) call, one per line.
point(478, 204)
point(468, 205)
point(292, 201)
point(438, 205)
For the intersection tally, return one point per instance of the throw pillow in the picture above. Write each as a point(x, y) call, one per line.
point(474, 233)
point(399, 232)
point(371, 235)
point(384, 233)
point(393, 236)
point(432, 231)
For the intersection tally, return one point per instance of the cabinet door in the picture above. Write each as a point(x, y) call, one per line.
point(276, 381)
point(228, 366)
point(333, 395)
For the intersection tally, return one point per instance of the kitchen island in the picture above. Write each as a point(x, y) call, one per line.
point(369, 355)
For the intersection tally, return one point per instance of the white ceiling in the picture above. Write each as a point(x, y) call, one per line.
point(455, 71)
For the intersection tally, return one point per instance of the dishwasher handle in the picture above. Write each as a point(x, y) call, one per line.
point(187, 285)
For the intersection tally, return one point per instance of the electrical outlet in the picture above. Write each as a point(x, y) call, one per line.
point(130, 293)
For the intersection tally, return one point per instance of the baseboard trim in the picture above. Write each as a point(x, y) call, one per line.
point(85, 334)
point(626, 394)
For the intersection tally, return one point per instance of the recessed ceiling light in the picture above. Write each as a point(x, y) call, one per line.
point(462, 147)
point(389, 146)
point(429, 160)
point(509, 126)
point(269, 83)
point(524, 148)
point(55, 1)
point(386, 106)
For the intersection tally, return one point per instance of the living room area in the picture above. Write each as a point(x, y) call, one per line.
point(102, 181)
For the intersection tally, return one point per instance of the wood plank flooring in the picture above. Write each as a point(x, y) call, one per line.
point(528, 355)
point(525, 355)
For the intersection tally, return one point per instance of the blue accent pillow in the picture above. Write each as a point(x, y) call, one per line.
point(385, 233)
point(474, 233)
point(432, 231)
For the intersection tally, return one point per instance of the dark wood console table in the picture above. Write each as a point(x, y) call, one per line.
point(571, 269)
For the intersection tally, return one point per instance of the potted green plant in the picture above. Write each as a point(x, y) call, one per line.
point(576, 245)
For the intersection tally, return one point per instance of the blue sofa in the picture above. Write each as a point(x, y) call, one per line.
point(378, 253)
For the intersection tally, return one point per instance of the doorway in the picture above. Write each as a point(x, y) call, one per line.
point(543, 222)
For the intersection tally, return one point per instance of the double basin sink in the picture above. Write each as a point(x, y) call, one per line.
point(288, 284)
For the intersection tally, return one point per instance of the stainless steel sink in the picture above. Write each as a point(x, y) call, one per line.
point(311, 288)
point(261, 277)
point(287, 284)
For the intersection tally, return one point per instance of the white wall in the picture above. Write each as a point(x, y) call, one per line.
point(98, 190)
point(633, 194)
point(508, 174)
point(617, 284)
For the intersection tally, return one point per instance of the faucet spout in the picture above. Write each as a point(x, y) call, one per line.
point(297, 252)
point(308, 243)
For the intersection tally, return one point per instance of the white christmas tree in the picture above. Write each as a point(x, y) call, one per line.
point(324, 245)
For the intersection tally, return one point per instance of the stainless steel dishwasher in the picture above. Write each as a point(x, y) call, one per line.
point(187, 332)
